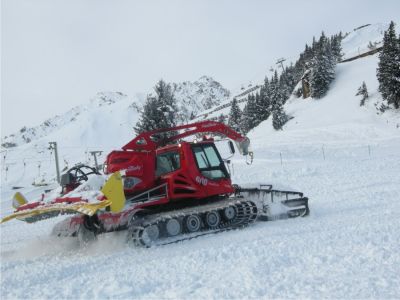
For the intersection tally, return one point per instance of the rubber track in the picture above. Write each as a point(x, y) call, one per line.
point(246, 213)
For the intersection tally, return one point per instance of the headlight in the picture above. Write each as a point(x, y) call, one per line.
point(130, 182)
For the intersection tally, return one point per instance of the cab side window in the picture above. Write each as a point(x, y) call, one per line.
point(167, 162)
point(209, 162)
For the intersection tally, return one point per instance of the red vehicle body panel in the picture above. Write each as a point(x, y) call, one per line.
point(138, 159)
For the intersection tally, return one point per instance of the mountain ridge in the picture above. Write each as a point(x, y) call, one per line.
point(192, 98)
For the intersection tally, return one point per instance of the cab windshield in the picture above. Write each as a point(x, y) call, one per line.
point(167, 162)
point(209, 161)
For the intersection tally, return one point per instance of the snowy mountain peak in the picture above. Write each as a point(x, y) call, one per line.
point(118, 108)
point(29, 134)
point(205, 78)
point(195, 97)
point(107, 98)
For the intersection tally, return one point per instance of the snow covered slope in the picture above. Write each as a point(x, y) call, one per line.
point(354, 43)
point(338, 116)
point(344, 157)
point(347, 247)
point(358, 41)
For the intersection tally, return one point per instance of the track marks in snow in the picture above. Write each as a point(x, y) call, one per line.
point(347, 247)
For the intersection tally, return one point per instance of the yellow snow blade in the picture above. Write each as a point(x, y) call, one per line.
point(113, 189)
point(18, 200)
point(46, 211)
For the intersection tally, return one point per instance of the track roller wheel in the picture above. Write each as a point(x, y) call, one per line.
point(213, 219)
point(229, 213)
point(193, 223)
point(150, 234)
point(173, 227)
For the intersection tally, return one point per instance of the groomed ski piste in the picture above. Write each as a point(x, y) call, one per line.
point(344, 157)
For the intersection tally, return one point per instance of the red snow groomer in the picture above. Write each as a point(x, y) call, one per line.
point(175, 190)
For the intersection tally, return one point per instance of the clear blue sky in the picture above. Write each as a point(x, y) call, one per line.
point(56, 54)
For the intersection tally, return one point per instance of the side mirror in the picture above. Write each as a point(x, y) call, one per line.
point(231, 147)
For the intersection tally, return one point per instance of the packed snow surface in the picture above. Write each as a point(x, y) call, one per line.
point(344, 157)
point(347, 247)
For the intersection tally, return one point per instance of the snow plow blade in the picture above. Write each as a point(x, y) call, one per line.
point(51, 210)
point(276, 204)
point(37, 211)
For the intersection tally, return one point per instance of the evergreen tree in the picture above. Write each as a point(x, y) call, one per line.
point(336, 45)
point(362, 91)
point(291, 81)
point(287, 82)
point(149, 116)
point(159, 111)
point(221, 119)
point(388, 71)
point(279, 118)
point(245, 121)
point(235, 115)
point(263, 105)
point(314, 46)
point(249, 118)
point(276, 92)
point(284, 85)
point(323, 68)
point(309, 56)
point(308, 52)
point(254, 110)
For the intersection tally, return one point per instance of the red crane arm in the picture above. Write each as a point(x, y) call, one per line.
point(148, 141)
